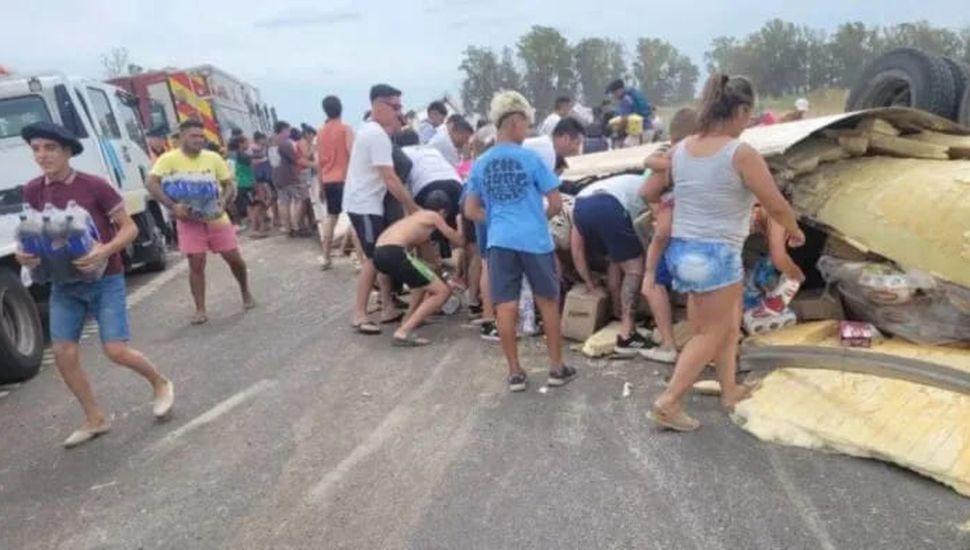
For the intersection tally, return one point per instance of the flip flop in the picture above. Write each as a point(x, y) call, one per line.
point(368, 328)
point(393, 320)
point(410, 341)
point(84, 435)
point(678, 422)
point(199, 319)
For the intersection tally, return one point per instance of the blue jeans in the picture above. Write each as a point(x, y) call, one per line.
point(703, 266)
point(104, 300)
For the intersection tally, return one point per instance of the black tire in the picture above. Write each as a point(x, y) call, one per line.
point(906, 77)
point(159, 258)
point(964, 117)
point(21, 334)
point(961, 79)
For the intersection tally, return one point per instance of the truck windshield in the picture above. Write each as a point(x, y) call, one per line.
point(17, 112)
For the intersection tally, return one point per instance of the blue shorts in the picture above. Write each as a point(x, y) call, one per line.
point(703, 266)
point(103, 300)
point(606, 227)
point(507, 267)
point(663, 277)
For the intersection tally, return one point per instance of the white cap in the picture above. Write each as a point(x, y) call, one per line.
point(801, 104)
point(507, 102)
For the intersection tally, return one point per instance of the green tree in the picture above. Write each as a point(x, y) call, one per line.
point(482, 78)
point(548, 67)
point(598, 61)
point(665, 75)
point(508, 75)
point(853, 46)
point(921, 34)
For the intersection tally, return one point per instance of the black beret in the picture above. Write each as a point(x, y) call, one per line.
point(54, 132)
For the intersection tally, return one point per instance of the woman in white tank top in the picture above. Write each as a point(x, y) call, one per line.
point(717, 180)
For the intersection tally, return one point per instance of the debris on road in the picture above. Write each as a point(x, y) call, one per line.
point(627, 389)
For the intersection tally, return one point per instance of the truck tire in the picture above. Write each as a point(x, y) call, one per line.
point(961, 79)
point(21, 334)
point(906, 77)
point(159, 256)
point(964, 117)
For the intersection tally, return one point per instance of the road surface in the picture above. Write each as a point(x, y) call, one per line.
point(291, 432)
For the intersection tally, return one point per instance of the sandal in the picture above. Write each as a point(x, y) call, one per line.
point(368, 328)
point(744, 393)
point(410, 341)
point(199, 319)
point(678, 421)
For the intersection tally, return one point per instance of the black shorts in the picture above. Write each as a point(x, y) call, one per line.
point(368, 228)
point(333, 196)
point(244, 199)
point(394, 261)
point(468, 228)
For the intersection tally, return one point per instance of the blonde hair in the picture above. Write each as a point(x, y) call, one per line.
point(684, 123)
point(508, 102)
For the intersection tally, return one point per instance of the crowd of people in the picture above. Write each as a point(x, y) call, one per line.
point(488, 197)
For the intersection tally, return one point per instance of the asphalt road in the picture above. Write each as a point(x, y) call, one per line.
point(291, 432)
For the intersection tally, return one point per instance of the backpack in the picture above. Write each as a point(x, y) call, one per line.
point(640, 104)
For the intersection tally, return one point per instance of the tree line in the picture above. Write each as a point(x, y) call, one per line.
point(782, 58)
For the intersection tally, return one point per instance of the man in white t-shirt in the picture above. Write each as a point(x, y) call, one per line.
point(437, 113)
point(452, 141)
point(370, 176)
point(563, 107)
point(566, 141)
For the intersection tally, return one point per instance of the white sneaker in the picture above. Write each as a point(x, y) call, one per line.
point(660, 355)
point(162, 405)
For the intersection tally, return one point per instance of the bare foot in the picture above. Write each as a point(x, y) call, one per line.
point(200, 318)
point(248, 302)
point(730, 399)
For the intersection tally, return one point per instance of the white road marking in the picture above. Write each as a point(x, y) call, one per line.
point(158, 282)
point(211, 415)
point(393, 423)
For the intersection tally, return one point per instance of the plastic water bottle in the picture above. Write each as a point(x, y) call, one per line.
point(79, 240)
point(55, 227)
point(527, 310)
point(30, 234)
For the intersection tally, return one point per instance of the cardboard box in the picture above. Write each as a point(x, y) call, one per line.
point(584, 313)
point(817, 305)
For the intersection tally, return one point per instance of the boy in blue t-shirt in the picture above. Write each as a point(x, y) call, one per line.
point(512, 181)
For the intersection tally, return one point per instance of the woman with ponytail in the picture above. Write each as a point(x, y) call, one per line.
point(717, 180)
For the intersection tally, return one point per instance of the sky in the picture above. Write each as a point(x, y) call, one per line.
point(298, 51)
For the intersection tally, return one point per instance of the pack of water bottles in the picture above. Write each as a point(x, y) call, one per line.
point(59, 237)
point(196, 190)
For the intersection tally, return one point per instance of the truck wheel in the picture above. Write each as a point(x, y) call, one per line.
point(964, 117)
point(906, 77)
point(21, 335)
point(961, 79)
point(159, 256)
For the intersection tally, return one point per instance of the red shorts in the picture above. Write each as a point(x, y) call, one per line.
point(197, 237)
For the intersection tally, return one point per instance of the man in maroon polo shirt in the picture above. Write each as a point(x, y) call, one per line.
point(72, 303)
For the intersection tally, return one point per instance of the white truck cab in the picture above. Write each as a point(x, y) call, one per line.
point(105, 119)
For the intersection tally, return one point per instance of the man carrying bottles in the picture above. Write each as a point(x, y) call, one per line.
point(203, 225)
point(102, 298)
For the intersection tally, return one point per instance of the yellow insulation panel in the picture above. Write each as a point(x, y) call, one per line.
point(924, 429)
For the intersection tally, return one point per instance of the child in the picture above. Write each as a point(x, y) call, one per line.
point(774, 280)
point(428, 292)
point(656, 276)
point(505, 190)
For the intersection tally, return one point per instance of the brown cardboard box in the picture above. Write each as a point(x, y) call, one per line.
point(816, 305)
point(584, 313)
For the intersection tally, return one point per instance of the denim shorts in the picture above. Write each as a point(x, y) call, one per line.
point(703, 266)
point(507, 267)
point(74, 303)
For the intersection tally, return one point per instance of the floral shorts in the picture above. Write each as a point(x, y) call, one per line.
point(703, 266)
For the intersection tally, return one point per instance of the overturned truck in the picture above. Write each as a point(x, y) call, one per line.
point(885, 197)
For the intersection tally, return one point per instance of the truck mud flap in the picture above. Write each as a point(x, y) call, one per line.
point(762, 358)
